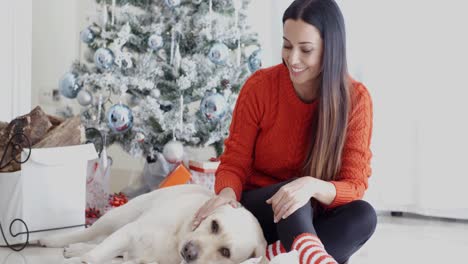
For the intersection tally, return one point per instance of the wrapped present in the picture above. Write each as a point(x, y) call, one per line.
point(180, 175)
point(203, 172)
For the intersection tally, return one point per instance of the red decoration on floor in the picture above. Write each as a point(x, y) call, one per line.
point(92, 214)
point(117, 199)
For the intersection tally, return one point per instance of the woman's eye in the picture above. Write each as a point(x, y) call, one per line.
point(286, 47)
point(307, 51)
point(214, 227)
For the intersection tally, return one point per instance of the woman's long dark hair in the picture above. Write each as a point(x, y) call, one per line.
point(324, 155)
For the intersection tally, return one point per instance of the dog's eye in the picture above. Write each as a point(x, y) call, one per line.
point(214, 227)
point(225, 252)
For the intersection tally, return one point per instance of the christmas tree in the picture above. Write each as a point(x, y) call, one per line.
point(162, 70)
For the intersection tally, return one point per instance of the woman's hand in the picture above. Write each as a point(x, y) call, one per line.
point(291, 197)
point(226, 196)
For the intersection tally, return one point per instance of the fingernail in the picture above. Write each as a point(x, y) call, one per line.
point(284, 217)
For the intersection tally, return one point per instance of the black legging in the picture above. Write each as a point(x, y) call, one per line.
point(342, 230)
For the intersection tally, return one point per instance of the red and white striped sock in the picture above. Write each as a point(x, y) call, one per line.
point(311, 250)
point(274, 250)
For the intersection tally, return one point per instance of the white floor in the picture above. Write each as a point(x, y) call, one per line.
point(408, 239)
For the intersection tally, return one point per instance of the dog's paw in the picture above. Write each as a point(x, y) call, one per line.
point(51, 242)
point(76, 250)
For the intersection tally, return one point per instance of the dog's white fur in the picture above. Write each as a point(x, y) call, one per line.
point(155, 228)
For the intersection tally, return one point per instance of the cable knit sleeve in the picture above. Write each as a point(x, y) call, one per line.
point(352, 180)
point(236, 161)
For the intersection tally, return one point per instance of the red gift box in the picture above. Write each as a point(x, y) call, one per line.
point(204, 166)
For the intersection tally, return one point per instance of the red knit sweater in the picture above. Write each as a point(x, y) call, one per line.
point(270, 131)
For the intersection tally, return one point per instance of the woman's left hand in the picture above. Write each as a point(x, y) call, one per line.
point(291, 197)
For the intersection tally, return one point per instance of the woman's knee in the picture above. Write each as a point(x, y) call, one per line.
point(366, 217)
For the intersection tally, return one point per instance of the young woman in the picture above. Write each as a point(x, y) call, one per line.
point(298, 154)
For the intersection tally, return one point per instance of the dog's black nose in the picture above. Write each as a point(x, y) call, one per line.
point(190, 251)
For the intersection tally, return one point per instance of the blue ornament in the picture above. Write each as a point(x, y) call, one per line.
point(69, 86)
point(120, 118)
point(172, 3)
point(155, 42)
point(218, 53)
point(87, 35)
point(255, 61)
point(104, 58)
point(213, 107)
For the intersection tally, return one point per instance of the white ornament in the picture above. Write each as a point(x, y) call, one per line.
point(140, 138)
point(155, 42)
point(84, 98)
point(155, 93)
point(173, 151)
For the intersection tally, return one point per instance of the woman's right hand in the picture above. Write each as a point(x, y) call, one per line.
point(226, 196)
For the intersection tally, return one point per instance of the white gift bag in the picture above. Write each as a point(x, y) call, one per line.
point(48, 193)
point(98, 182)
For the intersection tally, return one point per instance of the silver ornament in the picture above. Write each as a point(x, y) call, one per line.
point(120, 118)
point(104, 58)
point(173, 151)
point(213, 107)
point(218, 53)
point(87, 35)
point(69, 86)
point(255, 61)
point(84, 98)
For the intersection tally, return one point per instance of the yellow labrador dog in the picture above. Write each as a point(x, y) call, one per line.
point(157, 228)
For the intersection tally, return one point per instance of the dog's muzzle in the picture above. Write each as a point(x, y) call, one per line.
point(190, 252)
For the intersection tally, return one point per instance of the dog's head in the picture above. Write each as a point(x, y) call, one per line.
point(228, 236)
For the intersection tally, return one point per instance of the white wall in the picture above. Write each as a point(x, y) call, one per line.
point(15, 54)
point(56, 27)
point(412, 56)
